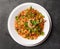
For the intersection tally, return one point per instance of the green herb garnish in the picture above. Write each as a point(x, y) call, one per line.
point(16, 17)
point(22, 16)
point(26, 24)
point(42, 33)
point(32, 14)
point(34, 22)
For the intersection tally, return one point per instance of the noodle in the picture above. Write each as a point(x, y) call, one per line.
point(29, 23)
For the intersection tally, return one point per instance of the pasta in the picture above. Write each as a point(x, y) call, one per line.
point(29, 23)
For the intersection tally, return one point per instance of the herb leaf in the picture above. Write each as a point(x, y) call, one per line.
point(42, 33)
point(16, 17)
point(34, 22)
point(22, 16)
point(26, 24)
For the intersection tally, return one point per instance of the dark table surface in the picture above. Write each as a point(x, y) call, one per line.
point(52, 6)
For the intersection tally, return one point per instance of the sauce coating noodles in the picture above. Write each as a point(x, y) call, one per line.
point(29, 23)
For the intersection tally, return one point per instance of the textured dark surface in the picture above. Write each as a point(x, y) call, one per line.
point(52, 6)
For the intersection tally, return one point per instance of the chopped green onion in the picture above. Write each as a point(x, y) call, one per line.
point(30, 30)
point(38, 28)
point(34, 22)
point(16, 17)
point(22, 16)
point(26, 24)
point(42, 33)
point(32, 14)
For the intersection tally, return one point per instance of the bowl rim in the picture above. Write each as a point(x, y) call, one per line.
point(49, 28)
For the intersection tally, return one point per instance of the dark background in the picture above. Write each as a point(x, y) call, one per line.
point(52, 6)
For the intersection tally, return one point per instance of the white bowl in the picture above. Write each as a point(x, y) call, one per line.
point(18, 38)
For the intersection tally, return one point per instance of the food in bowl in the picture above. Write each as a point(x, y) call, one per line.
point(29, 23)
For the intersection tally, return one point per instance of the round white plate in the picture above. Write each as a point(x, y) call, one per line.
point(18, 38)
